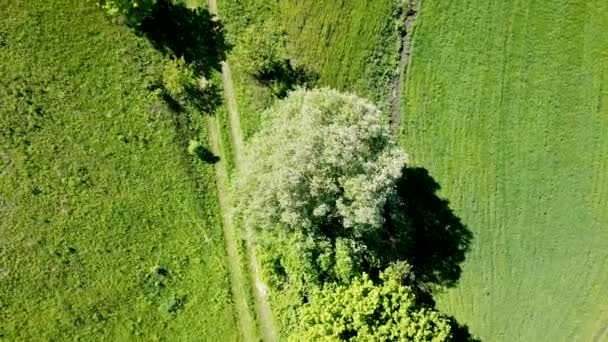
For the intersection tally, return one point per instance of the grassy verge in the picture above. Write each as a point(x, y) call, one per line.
point(506, 105)
point(109, 229)
point(225, 143)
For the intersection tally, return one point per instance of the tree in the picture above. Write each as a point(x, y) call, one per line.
point(322, 183)
point(364, 311)
point(314, 180)
point(325, 164)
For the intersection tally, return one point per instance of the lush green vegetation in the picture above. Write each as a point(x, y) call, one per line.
point(351, 45)
point(364, 311)
point(324, 186)
point(109, 227)
point(347, 45)
point(506, 104)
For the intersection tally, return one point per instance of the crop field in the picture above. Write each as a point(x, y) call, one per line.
point(108, 228)
point(346, 45)
point(507, 106)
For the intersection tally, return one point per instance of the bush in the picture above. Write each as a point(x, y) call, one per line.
point(133, 11)
point(262, 49)
point(178, 77)
point(365, 310)
point(194, 147)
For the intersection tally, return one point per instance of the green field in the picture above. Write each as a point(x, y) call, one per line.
point(507, 105)
point(348, 45)
point(108, 228)
point(352, 45)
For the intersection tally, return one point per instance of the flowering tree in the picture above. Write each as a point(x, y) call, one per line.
point(325, 164)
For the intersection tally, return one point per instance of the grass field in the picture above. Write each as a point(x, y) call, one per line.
point(507, 105)
point(350, 45)
point(108, 228)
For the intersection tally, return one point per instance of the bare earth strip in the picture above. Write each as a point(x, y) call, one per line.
point(260, 290)
point(237, 284)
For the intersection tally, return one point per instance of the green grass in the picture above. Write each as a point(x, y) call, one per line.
point(108, 229)
point(353, 45)
point(350, 45)
point(507, 105)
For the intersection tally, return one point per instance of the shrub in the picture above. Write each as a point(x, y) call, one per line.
point(178, 77)
point(262, 49)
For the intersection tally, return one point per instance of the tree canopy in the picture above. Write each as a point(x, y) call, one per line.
point(338, 224)
point(325, 163)
point(364, 311)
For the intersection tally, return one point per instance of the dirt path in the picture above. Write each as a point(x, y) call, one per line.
point(405, 54)
point(237, 283)
point(260, 289)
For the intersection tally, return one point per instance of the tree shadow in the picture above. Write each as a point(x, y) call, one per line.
point(422, 230)
point(206, 156)
point(173, 104)
point(283, 77)
point(179, 31)
point(461, 332)
point(205, 99)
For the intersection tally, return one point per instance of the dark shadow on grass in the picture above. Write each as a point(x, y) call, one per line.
point(422, 229)
point(198, 37)
point(460, 332)
point(206, 99)
point(173, 104)
point(206, 156)
point(283, 77)
point(194, 34)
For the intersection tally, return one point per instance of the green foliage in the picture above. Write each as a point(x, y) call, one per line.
point(178, 77)
point(108, 229)
point(315, 180)
point(348, 45)
point(194, 147)
point(352, 45)
point(261, 48)
point(518, 137)
point(325, 186)
point(364, 311)
point(325, 163)
point(132, 10)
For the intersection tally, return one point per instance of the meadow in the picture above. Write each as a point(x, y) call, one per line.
point(506, 105)
point(349, 45)
point(109, 229)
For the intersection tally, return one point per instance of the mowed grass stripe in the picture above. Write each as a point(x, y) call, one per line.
point(503, 105)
